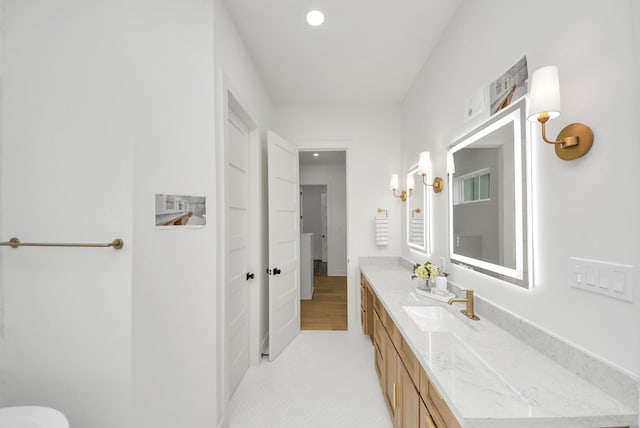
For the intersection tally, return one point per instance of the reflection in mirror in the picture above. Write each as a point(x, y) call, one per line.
point(417, 215)
point(488, 198)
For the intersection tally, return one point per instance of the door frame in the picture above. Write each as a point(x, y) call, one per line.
point(226, 102)
point(353, 301)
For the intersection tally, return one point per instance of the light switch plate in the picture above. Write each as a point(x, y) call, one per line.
point(609, 279)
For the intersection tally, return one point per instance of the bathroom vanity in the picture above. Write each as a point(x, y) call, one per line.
point(438, 368)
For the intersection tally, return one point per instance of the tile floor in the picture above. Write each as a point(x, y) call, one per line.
point(323, 379)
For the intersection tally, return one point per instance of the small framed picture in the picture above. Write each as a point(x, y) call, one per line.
point(180, 211)
point(509, 87)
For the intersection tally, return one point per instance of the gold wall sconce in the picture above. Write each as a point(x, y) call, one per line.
point(395, 184)
point(424, 168)
point(575, 139)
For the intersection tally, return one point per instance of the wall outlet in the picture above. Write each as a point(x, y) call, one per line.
point(610, 279)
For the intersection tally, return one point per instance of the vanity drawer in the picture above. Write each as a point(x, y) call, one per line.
point(410, 361)
point(426, 421)
point(378, 332)
point(441, 407)
point(379, 364)
point(364, 290)
point(377, 305)
point(392, 330)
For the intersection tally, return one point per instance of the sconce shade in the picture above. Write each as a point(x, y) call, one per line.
point(395, 184)
point(544, 93)
point(424, 163)
point(451, 166)
point(411, 183)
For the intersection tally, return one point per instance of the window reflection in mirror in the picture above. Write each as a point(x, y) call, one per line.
point(418, 215)
point(488, 198)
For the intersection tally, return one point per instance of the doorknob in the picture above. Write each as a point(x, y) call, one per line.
point(276, 271)
point(250, 276)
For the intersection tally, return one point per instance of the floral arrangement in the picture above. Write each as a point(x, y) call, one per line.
point(426, 270)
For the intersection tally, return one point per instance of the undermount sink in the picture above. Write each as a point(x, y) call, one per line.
point(436, 318)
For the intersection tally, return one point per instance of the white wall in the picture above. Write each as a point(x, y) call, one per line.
point(334, 176)
point(587, 207)
point(372, 137)
point(3, 363)
point(174, 275)
point(67, 168)
point(236, 73)
point(311, 213)
point(106, 104)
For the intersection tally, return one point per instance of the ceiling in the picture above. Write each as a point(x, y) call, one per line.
point(367, 51)
point(324, 157)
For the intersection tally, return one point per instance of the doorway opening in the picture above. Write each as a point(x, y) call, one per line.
point(323, 224)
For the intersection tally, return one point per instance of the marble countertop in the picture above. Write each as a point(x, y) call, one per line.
point(488, 377)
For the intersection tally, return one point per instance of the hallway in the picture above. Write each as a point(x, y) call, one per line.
point(322, 380)
point(327, 310)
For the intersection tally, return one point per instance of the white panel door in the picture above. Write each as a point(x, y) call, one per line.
point(284, 243)
point(237, 250)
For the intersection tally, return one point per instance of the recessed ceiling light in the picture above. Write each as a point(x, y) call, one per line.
point(315, 18)
point(316, 155)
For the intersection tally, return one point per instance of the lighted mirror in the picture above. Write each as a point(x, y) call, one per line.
point(418, 215)
point(488, 198)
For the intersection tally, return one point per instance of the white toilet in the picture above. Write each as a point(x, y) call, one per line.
point(32, 417)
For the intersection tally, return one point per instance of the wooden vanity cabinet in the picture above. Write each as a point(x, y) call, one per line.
point(378, 345)
point(408, 411)
point(426, 421)
point(411, 397)
point(401, 395)
point(437, 407)
point(366, 307)
point(391, 386)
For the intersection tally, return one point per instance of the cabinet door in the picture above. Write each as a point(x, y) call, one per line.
point(409, 400)
point(391, 377)
point(425, 418)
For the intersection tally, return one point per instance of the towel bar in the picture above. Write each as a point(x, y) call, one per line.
point(15, 243)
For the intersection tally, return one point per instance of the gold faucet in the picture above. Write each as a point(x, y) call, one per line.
point(469, 300)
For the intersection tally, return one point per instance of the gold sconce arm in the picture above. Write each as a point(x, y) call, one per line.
point(403, 196)
point(574, 141)
point(438, 183)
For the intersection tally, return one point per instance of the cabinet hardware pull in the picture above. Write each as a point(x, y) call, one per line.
point(395, 396)
point(250, 276)
point(430, 422)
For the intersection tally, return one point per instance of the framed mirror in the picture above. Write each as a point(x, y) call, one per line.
point(489, 230)
point(418, 217)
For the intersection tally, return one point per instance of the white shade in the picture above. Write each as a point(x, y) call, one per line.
point(544, 93)
point(424, 163)
point(411, 183)
point(451, 166)
point(394, 182)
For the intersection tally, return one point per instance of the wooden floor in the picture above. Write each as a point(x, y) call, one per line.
point(328, 308)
